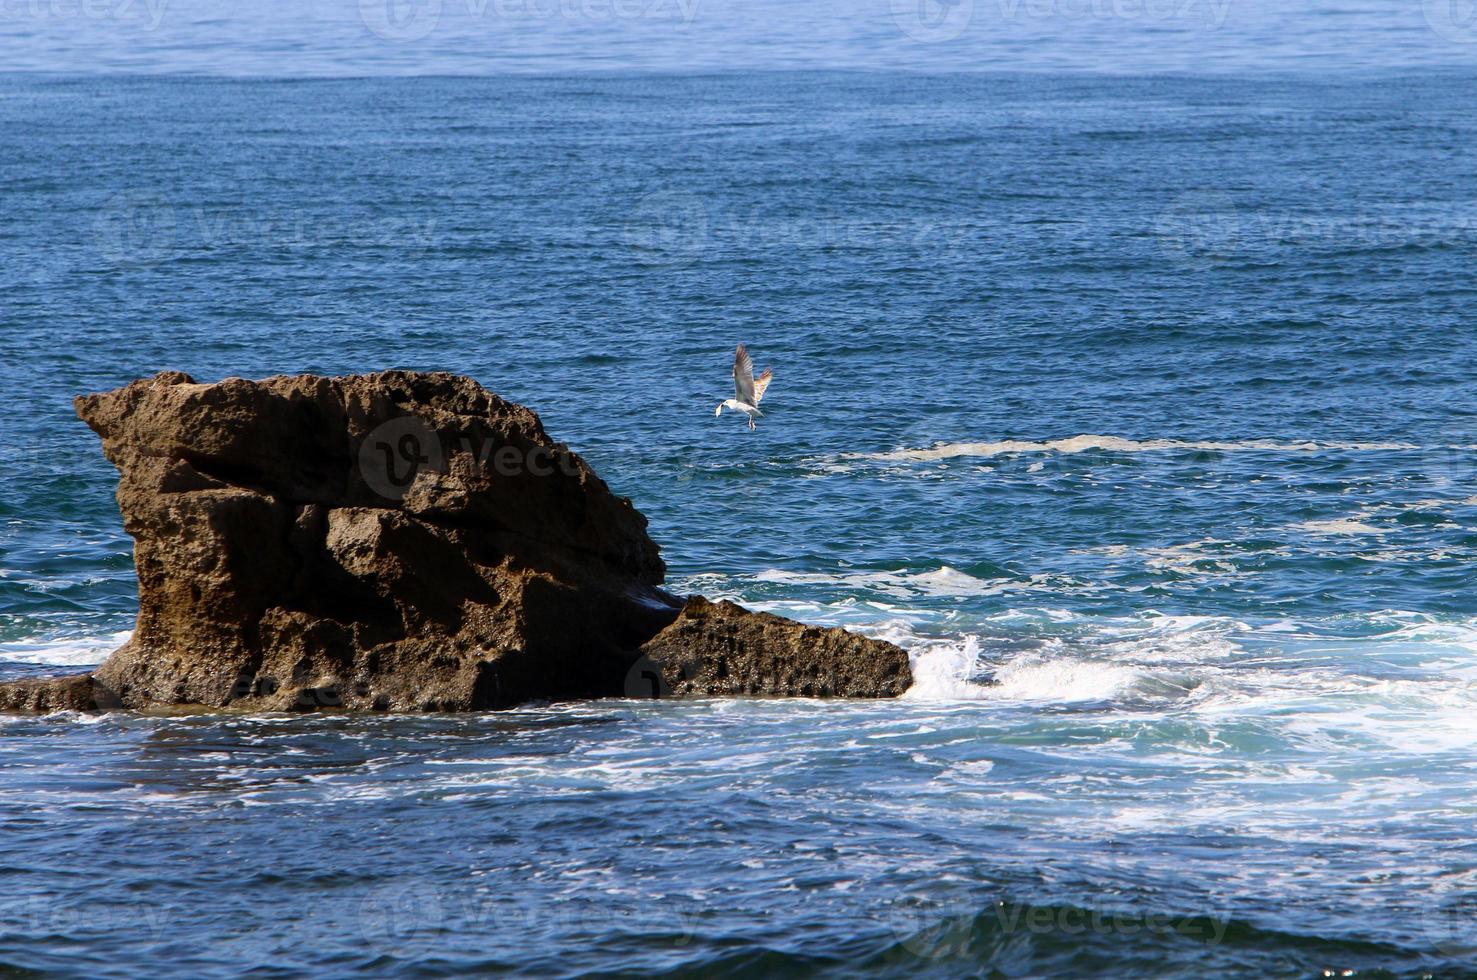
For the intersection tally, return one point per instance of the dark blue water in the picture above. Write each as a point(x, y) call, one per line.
point(1139, 409)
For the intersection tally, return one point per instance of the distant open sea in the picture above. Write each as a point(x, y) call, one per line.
point(1138, 406)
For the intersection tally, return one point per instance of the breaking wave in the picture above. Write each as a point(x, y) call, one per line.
point(63, 652)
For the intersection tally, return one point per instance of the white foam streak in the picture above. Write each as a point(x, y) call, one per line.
point(1083, 443)
point(902, 584)
point(75, 652)
point(1343, 525)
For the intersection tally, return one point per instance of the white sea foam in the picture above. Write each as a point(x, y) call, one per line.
point(1190, 558)
point(957, 671)
point(945, 671)
point(71, 652)
point(1411, 683)
point(1083, 443)
point(902, 584)
point(1342, 525)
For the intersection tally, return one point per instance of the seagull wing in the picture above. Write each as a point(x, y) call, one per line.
point(743, 377)
point(761, 383)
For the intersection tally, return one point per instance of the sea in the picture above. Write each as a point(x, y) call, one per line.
point(1123, 374)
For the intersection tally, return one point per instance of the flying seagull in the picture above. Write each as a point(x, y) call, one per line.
point(747, 388)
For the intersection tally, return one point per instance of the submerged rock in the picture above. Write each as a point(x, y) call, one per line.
point(720, 648)
point(402, 542)
point(73, 693)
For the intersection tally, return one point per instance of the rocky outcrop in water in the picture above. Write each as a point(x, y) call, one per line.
point(720, 648)
point(403, 542)
point(74, 693)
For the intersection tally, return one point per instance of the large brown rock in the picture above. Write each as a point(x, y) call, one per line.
point(400, 542)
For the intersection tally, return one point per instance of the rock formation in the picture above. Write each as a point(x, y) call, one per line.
point(403, 542)
point(720, 648)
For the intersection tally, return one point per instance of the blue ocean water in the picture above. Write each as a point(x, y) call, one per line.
point(1137, 407)
point(355, 38)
